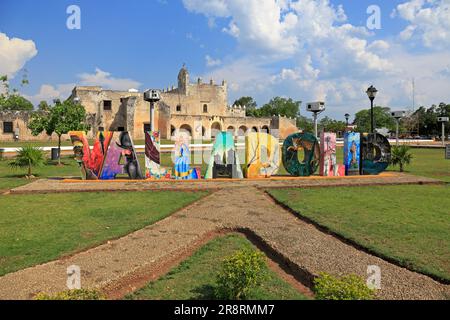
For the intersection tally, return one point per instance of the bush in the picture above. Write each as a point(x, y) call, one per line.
point(28, 157)
point(401, 156)
point(239, 274)
point(350, 287)
point(75, 294)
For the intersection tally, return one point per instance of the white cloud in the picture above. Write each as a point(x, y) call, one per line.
point(210, 62)
point(105, 80)
point(14, 54)
point(48, 92)
point(308, 50)
point(257, 24)
point(429, 22)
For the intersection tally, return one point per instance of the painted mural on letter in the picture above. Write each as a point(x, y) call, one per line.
point(262, 155)
point(294, 144)
point(182, 159)
point(375, 153)
point(153, 167)
point(352, 153)
point(224, 161)
point(328, 162)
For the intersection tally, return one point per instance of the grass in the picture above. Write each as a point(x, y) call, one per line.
point(409, 224)
point(194, 279)
point(35, 228)
point(428, 163)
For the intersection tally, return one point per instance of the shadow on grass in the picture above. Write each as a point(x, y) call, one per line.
point(204, 292)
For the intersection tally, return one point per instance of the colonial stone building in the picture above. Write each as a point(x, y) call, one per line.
point(201, 109)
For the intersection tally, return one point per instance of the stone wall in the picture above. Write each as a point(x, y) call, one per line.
point(20, 120)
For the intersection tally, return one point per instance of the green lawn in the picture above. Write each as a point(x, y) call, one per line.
point(410, 224)
point(194, 279)
point(428, 163)
point(35, 228)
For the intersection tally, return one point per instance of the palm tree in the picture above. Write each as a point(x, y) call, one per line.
point(401, 156)
point(28, 157)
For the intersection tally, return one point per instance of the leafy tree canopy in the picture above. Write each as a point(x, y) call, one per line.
point(382, 119)
point(11, 99)
point(60, 118)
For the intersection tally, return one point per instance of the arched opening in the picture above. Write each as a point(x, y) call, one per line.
point(215, 129)
point(205, 108)
point(186, 128)
point(203, 131)
point(254, 129)
point(231, 130)
point(265, 129)
point(242, 130)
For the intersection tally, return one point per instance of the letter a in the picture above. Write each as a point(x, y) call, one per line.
point(74, 20)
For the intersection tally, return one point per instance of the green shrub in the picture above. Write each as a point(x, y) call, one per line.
point(350, 287)
point(401, 155)
point(239, 274)
point(28, 157)
point(75, 294)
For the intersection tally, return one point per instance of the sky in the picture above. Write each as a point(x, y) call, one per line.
point(309, 50)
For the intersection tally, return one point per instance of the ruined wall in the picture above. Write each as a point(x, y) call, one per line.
point(20, 120)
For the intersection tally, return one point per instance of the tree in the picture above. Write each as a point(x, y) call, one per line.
point(11, 99)
point(305, 124)
point(401, 156)
point(60, 118)
point(331, 125)
point(281, 106)
point(382, 119)
point(28, 157)
point(251, 106)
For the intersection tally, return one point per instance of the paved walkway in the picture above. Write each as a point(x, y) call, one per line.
point(301, 244)
point(74, 185)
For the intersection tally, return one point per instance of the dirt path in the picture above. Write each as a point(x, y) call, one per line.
point(303, 247)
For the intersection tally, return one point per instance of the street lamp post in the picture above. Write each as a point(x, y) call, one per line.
point(397, 115)
point(152, 96)
point(443, 120)
point(371, 93)
point(347, 116)
point(315, 108)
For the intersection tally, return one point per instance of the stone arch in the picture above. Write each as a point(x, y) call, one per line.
point(232, 130)
point(242, 130)
point(216, 127)
point(254, 129)
point(186, 128)
point(265, 129)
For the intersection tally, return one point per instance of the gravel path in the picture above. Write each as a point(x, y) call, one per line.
point(56, 186)
point(301, 244)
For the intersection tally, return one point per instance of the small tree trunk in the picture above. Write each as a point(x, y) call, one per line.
point(401, 167)
point(59, 149)
point(29, 168)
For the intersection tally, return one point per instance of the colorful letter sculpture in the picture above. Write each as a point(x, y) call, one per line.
point(104, 161)
point(90, 162)
point(224, 161)
point(292, 145)
point(262, 155)
point(375, 153)
point(328, 162)
point(352, 153)
point(182, 169)
point(153, 168)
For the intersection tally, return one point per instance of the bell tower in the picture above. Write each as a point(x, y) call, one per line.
point(183, 80)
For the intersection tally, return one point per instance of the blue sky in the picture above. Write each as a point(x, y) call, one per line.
point(308, 50)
